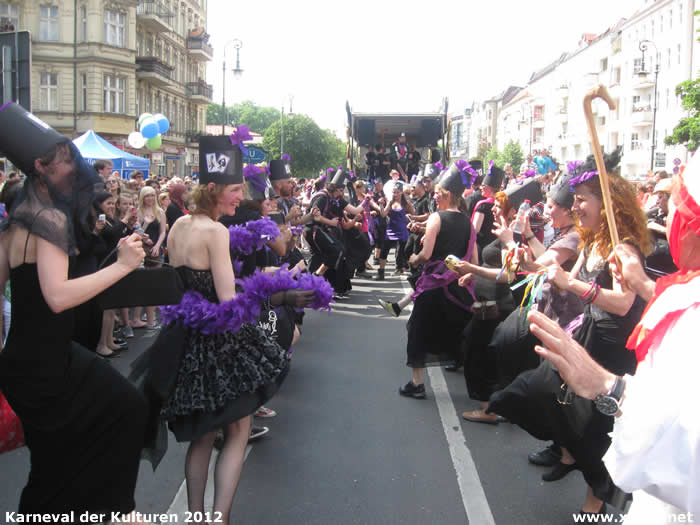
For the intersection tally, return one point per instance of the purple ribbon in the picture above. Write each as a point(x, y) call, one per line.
point(241, 134)
point(251, 173)
point(586, 175)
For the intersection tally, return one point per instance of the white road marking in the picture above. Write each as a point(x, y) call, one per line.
point(473, 497)
point(179, 503)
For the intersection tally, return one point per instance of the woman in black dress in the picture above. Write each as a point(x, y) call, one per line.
point(537, 400)
point(441, 307)
point(83, 422)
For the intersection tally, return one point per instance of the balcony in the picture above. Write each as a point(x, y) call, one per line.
point(153, 70)
point(154, 16)
point(192, 136)
point(642, 116)
point(199, 92)
point(199, 49)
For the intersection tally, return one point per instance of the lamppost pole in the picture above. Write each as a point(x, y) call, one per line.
point(643, 45)
point(282, 130)
point(237, 44)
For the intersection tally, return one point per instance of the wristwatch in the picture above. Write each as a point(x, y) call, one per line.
point(609, 404)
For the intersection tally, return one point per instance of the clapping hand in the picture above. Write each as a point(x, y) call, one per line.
point(502, 230)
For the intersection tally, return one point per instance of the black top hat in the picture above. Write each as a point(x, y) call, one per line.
point(431, 171)
point(25, 137)
point(562, 193)
point(279, 170)
point(220, 162)
point(477, 164)
point(495, 177)
point(339, 177)
point(451, 180)
point(528, 190)
point(258, 184)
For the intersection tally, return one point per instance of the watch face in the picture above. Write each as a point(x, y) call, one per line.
point(607, 405)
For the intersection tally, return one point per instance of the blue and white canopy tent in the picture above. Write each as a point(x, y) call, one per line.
point(94, 147)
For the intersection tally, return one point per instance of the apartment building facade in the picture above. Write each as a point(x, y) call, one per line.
point(99, 64)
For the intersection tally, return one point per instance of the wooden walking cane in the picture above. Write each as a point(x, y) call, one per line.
point(600, 91)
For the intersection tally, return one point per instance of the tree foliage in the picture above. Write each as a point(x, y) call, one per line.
point(257, 118)
point(311, 149)
point(687, 131)
point(492, 154)
point(513, 155)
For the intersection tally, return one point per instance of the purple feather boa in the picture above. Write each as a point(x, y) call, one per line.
point(201, 315)
point(253, 236)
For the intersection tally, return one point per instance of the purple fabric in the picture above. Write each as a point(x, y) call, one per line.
point(253, 236)
point(285, 157)
point(586, 175)
point(571, 167)
point(397, 228)
point(237, 138)
point(252, 174)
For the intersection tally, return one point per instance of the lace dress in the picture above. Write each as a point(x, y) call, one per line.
point(221, 377)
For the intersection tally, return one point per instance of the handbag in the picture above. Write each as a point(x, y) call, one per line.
point(11, 431)
point(143, 287)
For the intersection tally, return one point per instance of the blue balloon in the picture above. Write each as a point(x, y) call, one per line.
point(163, 123)
point(149, 128)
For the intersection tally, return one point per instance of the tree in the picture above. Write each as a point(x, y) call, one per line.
point(687, 131)
point(494, 155)
point(310, 148)
point(484, 147)
point(513, 155)
point(257, 118)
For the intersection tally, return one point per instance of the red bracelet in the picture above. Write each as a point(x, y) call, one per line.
point(588, 292)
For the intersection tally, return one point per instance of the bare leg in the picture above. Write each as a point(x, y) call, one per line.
point(197, 470)
point(229, 466)
point(296, 336)
point(417, 376)
point(566, 457)
point(150, 315)
point(592, 504)
point(404, 301)
point(137, 322)
point(322, 270)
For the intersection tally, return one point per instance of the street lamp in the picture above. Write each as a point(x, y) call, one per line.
point(643, 45)
point(291, 114)
point(237, 72)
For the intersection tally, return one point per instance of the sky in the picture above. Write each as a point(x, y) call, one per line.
point(392, 56)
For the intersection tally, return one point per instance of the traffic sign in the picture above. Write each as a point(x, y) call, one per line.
point(676, 170)
point(256, 155)
point(660, 159)
point(676, 161)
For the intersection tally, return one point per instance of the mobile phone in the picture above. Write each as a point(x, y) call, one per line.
point(133, 210)
point(102, 217)
point(451, 261)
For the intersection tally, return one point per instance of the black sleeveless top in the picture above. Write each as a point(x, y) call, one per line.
point(453, 238)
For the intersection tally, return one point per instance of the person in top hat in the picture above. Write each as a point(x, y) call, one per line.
point(205, 398)
point(61, 392)
point(399, 156)
point(475, 196)
point(441, 307)
point(482, 216)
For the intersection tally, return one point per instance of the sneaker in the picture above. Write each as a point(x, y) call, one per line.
point(398, 271)
point(127, 331)
point(154, 326)
point(257, 432)
point(392, 308)
point(339, 296)
point(265, 412)
point(411, 390)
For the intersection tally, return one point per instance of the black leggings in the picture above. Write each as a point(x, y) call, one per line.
point(401, 261)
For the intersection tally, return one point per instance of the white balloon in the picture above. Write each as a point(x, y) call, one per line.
point(136, 140)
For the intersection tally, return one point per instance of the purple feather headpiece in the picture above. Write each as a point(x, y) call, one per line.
point(439, 166)
point(571, 167)
point(252, 173)
point(465, 170)
point(491, 163)
point(529, 173)
point(286, 158)
point(586, 175)
point(351, 175)
point(330, 171)
point(241, 134)
point(323, 178)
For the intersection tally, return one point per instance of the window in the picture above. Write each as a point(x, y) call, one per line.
point(83, 83)
point(679, 54)
point(637, 66)
point(670, 18)
point(166, 108)
point(158, 108)
point(48, 23)
point(617, 75)
point(139, 94)
point(83, 24)
point(661, 24)
point(114, 90)
point(636, 99)
point(680, 14)
point(148, 103)
point(10, 12)
point(114, 28)
point(634, 143)
point(48, 91)
point(652, 29)
point(173, 120)
point(668, 57)
point(537, 135)
point(538, 113)
point(604, 64)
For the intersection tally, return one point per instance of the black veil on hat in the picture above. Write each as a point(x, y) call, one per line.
point(279, 170)
point(528, 190)
point(220, 161)
point(49, 206)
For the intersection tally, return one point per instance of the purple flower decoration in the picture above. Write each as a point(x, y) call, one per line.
point(439, 166)
point(330, 171)
point(586, 175)
point(286, 157)
point(571, 167)
point(252, 173)
point(241, 134)
point(529, 173)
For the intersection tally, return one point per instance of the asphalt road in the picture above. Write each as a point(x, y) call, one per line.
point(345, 448)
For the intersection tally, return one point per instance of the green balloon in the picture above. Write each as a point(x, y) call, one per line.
point(154, 143)
point(143, 117)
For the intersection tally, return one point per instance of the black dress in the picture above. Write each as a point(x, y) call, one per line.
point(480, 362)
point(84, 423)
point(221, 377)
point(531, 400)
point(436, 322)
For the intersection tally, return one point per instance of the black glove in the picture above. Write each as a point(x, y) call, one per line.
point(298, 298)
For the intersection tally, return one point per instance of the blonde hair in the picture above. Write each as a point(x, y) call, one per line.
point(205, 200)
point(140, 211)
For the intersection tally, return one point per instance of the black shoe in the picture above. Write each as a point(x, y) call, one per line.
point(559, 471)
point(453, 368)
point(398, 271)
point(411, 390)
point(257, 432)
point(375, 261)
point(380, 275)
point(548, 457)
point(363, 274)
point(603, 510)
point(392, 308)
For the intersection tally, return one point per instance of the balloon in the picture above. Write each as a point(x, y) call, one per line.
point(154, 143)
point(163, 123)
point(149, 128)
point(136, 140)
point(143, 117)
